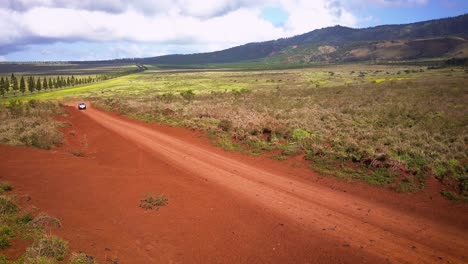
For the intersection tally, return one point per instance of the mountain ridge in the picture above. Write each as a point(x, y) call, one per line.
point(341, 38)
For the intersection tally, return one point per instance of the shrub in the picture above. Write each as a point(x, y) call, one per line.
point(43, 221)
point(153, 202)
point(291, 150)
point(7, 206)
point(380, 177)
point(25, 219)
point(406, 185)
point(48, 246)
point(5, 186)
point(78, 153)
point(300, 134)
point(188, 95)
point(6, 234)
point(226, 143)
point(81, 258)
point(225, 125)
point(36, 260)
point(29, 124)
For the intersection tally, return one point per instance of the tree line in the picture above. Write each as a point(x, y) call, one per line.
point(32, 84)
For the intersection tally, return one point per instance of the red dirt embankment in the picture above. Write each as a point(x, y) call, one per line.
point(223, 207)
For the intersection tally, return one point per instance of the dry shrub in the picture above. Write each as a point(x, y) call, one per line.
point(48, 247)
point(30, 124)
point(43, 221)
point(81, 258)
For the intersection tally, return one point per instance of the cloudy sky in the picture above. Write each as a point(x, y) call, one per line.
point(50, 30)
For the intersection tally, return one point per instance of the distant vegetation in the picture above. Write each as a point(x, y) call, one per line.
point(440, 38)
point(29, 84)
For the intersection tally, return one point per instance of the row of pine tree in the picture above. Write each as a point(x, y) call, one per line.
point(32, 84)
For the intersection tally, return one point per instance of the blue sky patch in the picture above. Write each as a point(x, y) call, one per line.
point(275, 15)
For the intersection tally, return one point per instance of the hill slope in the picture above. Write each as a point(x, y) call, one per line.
point(434, 37)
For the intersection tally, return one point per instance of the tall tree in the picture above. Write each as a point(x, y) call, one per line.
point(38, 84)
point(50, 83)
point(7, 85)
point(14, 84)
point(68, 81)
point(2, 86)
point(31, 85)
point(22, 86)
point(45, 85)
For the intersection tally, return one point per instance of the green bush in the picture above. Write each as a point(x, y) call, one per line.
point(299, 134)
point(7, 206)
point(24, 219)
point(188, 95)
point(380, 177)
point(5, 186)
point(290, 150)
point(6, 234)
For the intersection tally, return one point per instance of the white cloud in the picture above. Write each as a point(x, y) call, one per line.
point(203, 25)
point(306, 15)
point(394, 2)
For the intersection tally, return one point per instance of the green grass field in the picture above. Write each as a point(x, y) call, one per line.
point(393, 126)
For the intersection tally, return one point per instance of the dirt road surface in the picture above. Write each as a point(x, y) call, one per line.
point(223, 207)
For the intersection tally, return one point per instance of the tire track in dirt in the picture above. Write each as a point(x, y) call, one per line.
point(378, 230)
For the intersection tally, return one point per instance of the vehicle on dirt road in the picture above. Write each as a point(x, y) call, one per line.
point(81, 106)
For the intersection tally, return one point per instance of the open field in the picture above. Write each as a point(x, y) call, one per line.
point(389, 126)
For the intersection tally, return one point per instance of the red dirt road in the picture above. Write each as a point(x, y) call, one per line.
point(223, 207)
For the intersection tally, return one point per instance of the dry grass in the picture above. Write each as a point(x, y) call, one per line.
point(153, 202)
point(30, 124)
point(394, 132)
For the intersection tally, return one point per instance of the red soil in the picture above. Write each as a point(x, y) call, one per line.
point(223, 207)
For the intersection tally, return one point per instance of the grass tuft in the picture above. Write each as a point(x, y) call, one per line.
point(81, 258)
point(153, 202)
point(47, 247)
point(7, 206)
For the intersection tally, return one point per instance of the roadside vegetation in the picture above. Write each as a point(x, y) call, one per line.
point(20, 227)
point(391, 126)
point(30, 124)
point(388, 127)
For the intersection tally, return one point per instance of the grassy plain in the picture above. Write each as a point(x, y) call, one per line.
point(386, 125)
